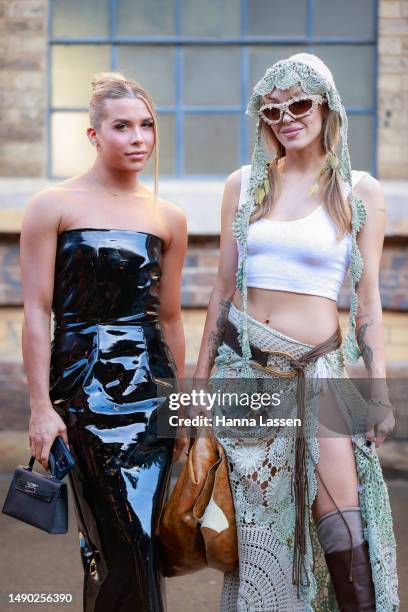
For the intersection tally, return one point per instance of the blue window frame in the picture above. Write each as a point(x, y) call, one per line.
point(248, 40)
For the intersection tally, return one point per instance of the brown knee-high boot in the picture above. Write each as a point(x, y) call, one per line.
point(356, 595)
point(349, 565)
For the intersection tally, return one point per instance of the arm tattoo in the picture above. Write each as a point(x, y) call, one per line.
point(366, 351)
point(215, 336)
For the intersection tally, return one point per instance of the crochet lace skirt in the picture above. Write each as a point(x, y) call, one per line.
point(261, 463)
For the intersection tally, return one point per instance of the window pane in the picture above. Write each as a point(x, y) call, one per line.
point(146, 18)
point(71, 150)
point(277, 18)
point(212, 76)
point(73, 67)
point(211, 18)
point(353, 70)
point(211, 143)
point(360, 141)
point(261, 58)
point(154, 68)
point(167, 136)
point(77, 18)
point(345, 18)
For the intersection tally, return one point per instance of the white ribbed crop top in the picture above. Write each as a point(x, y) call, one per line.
point(301, 256)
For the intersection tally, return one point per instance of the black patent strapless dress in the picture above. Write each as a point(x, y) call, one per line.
point(109, 362)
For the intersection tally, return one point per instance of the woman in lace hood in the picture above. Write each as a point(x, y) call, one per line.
point(313, 514)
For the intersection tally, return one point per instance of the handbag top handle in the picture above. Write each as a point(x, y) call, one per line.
point(51, 465)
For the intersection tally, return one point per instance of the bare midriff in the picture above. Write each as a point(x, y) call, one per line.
point(308, 318)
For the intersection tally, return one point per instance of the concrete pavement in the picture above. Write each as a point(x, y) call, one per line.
point(33, 561)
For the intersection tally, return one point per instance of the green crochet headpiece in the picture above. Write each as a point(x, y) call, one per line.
point(314, 77)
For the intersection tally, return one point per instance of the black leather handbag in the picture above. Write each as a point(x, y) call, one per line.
point(38, 499)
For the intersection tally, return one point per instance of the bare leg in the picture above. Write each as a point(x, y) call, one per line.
point(340, 531)
point(337, 470)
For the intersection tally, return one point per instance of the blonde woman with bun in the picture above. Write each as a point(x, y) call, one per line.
point(104, 254)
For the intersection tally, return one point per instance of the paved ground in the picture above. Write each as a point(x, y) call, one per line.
point(33, 561)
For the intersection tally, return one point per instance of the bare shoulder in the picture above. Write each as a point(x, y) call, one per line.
point(60, 200)
point(174, 217)
point(48, 206)
point(232, 191)
point(57, 193)
point(68, 186)
point(44, 208)
point(233, 182)
point(369, 189)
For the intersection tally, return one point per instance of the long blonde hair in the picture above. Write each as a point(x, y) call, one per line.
point(114, 85)
point(329, 181)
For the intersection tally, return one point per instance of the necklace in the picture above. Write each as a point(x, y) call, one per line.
point(95, 180)
point(114, 193)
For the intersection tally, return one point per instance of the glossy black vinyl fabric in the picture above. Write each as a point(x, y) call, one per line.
point(110, 370)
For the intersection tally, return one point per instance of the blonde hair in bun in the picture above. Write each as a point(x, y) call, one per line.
point(114, 85)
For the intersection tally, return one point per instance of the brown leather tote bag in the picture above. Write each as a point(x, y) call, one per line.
point(198, 527)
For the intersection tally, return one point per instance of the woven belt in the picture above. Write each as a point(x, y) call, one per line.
point(259, 356)
point(300, 482)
